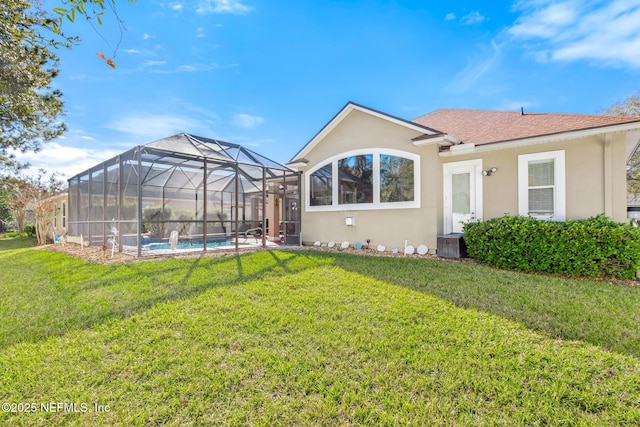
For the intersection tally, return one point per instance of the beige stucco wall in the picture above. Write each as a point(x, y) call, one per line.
point(584, 173)
point(59, 222)
point(585, 183)
point(387, 227)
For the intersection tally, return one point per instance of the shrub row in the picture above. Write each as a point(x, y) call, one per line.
point(594, 247)
point(11, 234)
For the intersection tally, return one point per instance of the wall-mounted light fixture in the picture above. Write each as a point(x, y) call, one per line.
point(489, 172)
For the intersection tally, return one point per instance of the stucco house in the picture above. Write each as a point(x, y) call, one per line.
point(368, 175)
point(59, 214)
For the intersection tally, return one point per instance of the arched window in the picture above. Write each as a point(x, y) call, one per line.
point(365, 179)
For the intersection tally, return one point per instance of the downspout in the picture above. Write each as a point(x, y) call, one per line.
point(608, 177)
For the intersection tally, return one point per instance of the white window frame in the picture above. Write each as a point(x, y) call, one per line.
point(559, 184)
point(377, 204)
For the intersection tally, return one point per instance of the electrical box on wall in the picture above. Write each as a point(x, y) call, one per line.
point(350, 221)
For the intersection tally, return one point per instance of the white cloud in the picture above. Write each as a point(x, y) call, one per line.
point(147, 36)
point(64, 159)
point(472, 18)
point(154, 63)
point(477, 66)
point(514, 106)
point(246, 121)
point(177, 7)
point(222, 6)
point(546, 22)
point(146, 128)
point(76, 151)
point(604, 32)
point(74, 77)
point(450, 16)
point(143, 52)
point(187, 68)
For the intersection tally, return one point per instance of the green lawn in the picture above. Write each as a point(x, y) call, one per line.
point(311, 338)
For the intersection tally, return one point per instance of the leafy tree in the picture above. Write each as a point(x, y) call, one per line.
point(629, 107)
point(18, 193)
point(92, 10)
point(396, 179)
point(5, 212)
point(28, 193)
point(30, 109)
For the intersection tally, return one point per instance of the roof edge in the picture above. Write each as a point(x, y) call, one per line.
point(554, 137)
point(344, 112)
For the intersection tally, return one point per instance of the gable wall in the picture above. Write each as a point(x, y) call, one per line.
point(388, 227)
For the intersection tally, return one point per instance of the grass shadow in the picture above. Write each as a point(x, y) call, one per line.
point(600, 313)
point(13, 243)
point(49, 294)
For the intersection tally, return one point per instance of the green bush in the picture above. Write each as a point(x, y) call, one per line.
point(30, 229)
point(594, 247)
point(11, 234)
point(154, 218)
point(186, 217)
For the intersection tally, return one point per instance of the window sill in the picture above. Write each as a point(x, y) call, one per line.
point(363, 207)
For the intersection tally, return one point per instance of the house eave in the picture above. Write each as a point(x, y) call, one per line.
point(297, 164)
point(443, 140)
point(542, 139)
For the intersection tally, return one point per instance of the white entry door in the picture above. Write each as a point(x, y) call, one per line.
point(462, 194)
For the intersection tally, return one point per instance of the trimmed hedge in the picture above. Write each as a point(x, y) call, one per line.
point(594, 247)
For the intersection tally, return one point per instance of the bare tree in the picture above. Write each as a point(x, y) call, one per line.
point(45, 188)
point(629, 107)
point(37, 194)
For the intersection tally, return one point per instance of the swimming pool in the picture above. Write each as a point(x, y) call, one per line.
point(187, 244)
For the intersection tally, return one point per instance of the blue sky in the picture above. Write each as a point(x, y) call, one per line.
point(270, 74)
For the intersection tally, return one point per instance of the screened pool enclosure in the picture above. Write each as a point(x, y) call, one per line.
point(185, 193)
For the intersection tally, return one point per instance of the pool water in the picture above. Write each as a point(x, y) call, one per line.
point(194, 244)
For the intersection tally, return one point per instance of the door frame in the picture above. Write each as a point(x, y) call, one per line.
point(474, 167)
